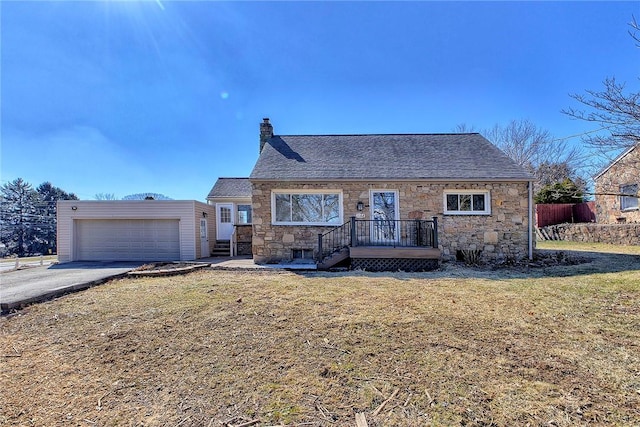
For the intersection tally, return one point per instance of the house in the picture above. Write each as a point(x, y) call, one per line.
point(377, 202)
point(232, 200)
point(616, 188)
point(387, 201)
point(133, 230)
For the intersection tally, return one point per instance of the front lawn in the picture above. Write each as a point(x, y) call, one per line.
point(459, 346)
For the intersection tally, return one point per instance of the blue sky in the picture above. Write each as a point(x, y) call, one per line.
point(155, 96)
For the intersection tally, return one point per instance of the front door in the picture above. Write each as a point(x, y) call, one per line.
point(224, 221)
point(204, 239)
point(384, 216)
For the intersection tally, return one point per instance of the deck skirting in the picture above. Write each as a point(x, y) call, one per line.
point(384, 252)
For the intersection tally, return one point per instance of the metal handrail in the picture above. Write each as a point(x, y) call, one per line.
point(334, 240)
point(376, 232)
point(395, 233)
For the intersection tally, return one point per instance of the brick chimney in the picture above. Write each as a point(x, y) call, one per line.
point(266, 132)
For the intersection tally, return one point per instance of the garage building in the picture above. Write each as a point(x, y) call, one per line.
point(134, 230)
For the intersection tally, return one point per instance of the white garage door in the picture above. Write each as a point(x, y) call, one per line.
point(127, 240)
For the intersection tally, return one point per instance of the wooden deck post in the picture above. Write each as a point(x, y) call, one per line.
point(435, 231)
point(354, 237)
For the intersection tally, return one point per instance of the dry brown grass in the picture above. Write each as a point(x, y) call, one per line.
point(462, 347)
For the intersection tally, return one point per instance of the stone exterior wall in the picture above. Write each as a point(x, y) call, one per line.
point(503, 234)
point(243, 236)
point(625, 171)
point(615, 234)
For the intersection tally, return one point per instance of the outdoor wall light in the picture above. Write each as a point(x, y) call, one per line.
point(360, 206)
point(74, 208)
point(204, 214)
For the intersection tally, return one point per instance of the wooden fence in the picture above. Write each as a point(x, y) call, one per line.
point(551, 214)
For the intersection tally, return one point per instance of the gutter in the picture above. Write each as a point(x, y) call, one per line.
point(531, 232)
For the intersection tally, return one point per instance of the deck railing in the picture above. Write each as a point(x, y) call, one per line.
point(390, 233)
point(334, 240)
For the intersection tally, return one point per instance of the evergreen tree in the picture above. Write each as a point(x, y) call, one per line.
point(45, 229)
point(28, 216)
point(565, 191)
point(17, 216)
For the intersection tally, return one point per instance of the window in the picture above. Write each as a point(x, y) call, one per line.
point(629, 202)
point(301, 253)
point(225, 214)
point(203, 228)
point(306, 208)
point(467, 202)
point(244, 214)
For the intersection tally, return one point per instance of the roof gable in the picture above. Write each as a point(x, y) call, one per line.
point(230, 188)
point(467, 156)
point(621, 156)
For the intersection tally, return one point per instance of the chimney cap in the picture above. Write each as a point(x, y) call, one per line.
point(266, 120)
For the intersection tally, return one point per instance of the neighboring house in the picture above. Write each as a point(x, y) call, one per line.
point(135, 230)
point(617, 189)
point(232, 200)
point(404, 197)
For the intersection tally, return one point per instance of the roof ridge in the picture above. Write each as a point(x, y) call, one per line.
point(387, 134)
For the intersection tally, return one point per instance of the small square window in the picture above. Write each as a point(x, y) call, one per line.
point(225, 214)
point(452, 202)
point(302, 253)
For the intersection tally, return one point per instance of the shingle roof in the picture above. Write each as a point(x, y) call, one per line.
point(467, 156)
point(230, 187)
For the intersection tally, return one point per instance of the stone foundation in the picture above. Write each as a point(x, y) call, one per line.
point(244, 234)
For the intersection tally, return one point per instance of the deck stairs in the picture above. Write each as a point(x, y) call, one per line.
point(334, 259)
point(221, 248)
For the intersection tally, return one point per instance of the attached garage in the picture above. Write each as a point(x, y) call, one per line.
point(138, 230)
point(127, 240)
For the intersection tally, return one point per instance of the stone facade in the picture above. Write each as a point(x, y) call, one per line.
point(625, 171)
point(243, 236)
point(502, 234)
point(615, 234)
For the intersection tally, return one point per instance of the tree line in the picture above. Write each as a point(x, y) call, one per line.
point(28, 217)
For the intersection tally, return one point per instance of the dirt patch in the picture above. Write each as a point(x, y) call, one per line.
point(165, 269)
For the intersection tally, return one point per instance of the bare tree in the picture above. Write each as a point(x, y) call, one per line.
point(105, 196)
point(550, 160)
point(531, 146)
point(614, 110)
point(146, 196)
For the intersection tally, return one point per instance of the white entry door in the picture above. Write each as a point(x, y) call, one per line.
point(204, 239)
point(384, 215)
point(224, 221)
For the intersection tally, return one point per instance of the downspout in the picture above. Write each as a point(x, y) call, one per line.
point(531, 234)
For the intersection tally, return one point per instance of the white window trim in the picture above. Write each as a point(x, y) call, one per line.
point(622, 198)
point(487, 202)
point(306, 191)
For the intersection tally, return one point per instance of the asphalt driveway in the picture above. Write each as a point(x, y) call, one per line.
point(22, 287)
